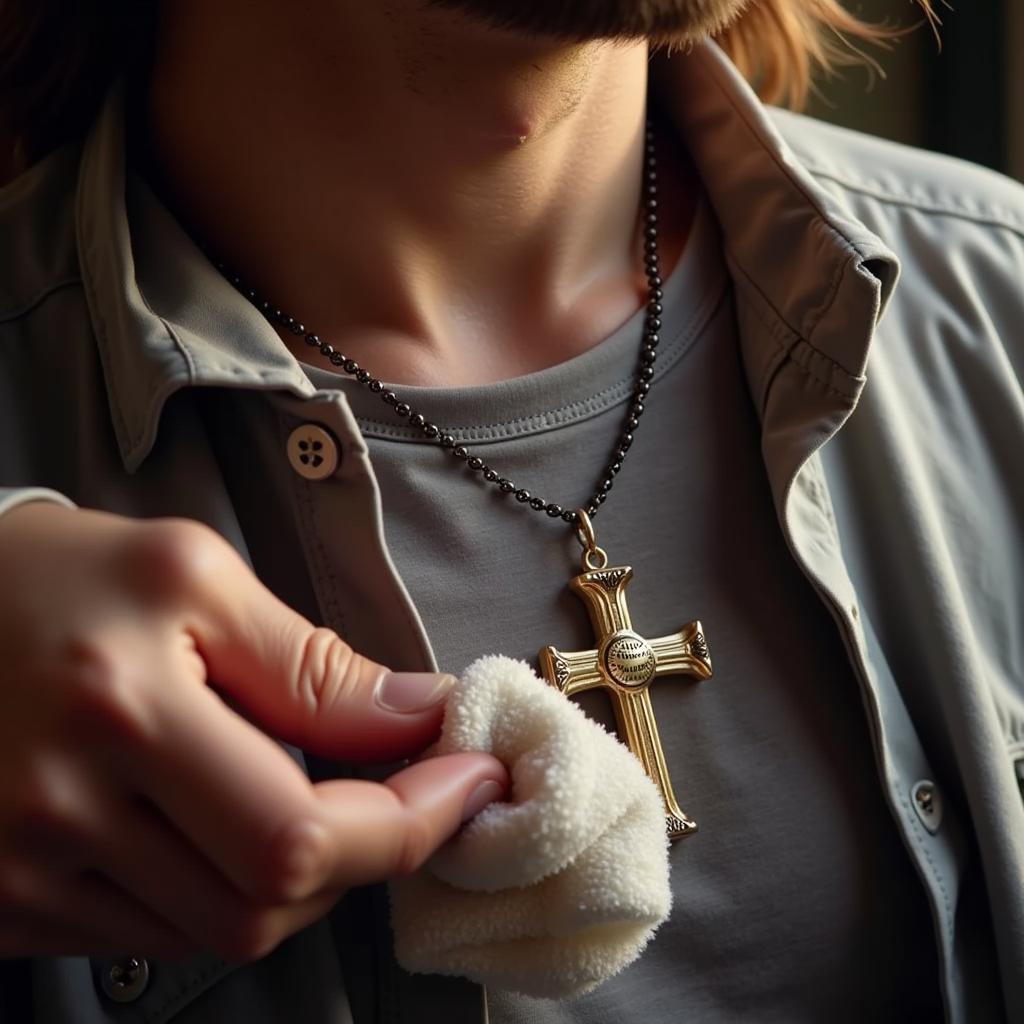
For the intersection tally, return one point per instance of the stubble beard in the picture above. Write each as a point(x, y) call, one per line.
point(659, 21)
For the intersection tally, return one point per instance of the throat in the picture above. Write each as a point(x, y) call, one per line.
point(468, 343)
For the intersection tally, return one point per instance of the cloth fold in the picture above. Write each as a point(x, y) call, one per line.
point(558, 889)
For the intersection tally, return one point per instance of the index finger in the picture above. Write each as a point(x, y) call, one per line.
point(249, 808)
point(228, 788)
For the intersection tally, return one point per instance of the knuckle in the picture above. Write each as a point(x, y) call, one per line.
point(106, 694)
point(48, 813)
point(42, 808)
point(175, 556)
point(296, 863)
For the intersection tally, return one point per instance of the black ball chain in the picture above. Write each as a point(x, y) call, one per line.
point(644, 372)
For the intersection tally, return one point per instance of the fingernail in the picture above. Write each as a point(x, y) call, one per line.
point(484, 794)
point(407, 692)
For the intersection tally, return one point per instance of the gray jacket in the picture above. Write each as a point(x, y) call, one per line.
point(880, 299)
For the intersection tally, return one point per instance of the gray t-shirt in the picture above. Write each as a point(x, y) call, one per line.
point(796, 900)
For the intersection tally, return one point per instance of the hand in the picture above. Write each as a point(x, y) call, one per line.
point(141, 814)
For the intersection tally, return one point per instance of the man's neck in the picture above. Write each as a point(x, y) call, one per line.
point(445, 203)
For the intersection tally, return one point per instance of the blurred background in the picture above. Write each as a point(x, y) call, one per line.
point(967, 100)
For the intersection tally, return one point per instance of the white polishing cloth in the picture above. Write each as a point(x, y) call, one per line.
point(558, 889)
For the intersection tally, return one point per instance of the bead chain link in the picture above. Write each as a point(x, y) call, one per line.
point(644, 373)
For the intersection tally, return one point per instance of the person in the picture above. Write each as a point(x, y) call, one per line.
point(778, 362)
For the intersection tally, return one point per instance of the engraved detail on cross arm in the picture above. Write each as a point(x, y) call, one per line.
point(628, 659)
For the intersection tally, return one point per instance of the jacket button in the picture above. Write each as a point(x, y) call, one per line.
point(312, 452)
point(927, 802)
point(125, 980)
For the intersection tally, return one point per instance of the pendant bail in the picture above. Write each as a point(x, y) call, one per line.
point(594, 557)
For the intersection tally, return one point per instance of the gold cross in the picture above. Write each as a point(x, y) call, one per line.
point(625, 663)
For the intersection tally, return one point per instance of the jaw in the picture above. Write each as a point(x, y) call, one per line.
point(659, 21)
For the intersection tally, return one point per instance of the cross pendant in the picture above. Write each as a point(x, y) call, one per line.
point(625, 664)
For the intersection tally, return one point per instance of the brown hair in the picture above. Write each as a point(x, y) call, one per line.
point(781, 45)
point(57, 57)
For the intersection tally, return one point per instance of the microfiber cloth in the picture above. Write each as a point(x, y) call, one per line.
point(558, 889)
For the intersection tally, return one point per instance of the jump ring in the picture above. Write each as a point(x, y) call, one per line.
point(585, 530)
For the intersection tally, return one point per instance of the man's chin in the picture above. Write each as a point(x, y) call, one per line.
point(585, 20)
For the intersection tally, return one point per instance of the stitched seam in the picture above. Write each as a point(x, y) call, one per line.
point(812, 373)
point(771, 373)
point(27, 307)
point(241, 370)
point(194, 368)
point(136, 441)
point(792, 331)
point(326, 567)
point(406, 601)
point(416, 629)
point(591, 406)
point(789, 355)
point(580, 409)
point(926, 837)
point(822, 216)
point(171, 333)
point(804, 363)
point(833, 291)
point(587, 408)
point(322, 565)
point(784, 345)
point(893, 199)
point(780, 348)
point(181, 994)
point(102, 340)
point(189, 365)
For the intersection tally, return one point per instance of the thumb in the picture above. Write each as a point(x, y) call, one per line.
point(305, 684)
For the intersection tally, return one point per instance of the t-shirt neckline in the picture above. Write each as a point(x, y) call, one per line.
point(585, 385)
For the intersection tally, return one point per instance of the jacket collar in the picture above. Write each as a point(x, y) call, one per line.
point(163, 317)
point(815, 271)
point(805, 271)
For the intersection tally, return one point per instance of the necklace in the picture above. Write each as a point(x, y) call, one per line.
point(623, 662)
